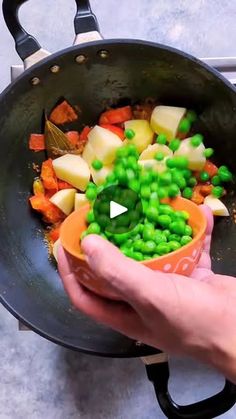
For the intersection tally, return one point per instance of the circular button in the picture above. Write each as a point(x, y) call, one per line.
point(118, 209)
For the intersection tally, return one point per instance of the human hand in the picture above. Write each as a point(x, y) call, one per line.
point(192, 316)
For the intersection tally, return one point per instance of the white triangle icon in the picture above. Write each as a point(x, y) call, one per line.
point(116, 209)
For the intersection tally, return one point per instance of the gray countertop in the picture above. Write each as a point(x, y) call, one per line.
point(39, 379)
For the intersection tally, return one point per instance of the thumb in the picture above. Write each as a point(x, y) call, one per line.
point(124, 275)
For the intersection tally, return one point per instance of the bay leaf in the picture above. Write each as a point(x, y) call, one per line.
point(56, 141)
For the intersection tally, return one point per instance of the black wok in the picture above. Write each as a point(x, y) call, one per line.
point(94, 75)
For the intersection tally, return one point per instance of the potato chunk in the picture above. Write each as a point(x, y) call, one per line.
point(195, 155)
point(55, 249)
point(72, 169)
point(104, 143)
point(143, 133)
point(64, 200)
point(80, 201)
point(99, 176)
point(216, 205)
point(166, 120)
point(89, 154)
point(152, 150)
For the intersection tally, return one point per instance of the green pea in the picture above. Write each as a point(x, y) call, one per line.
point(122, 152)
point(162, 193)
point(129, 134)
point(91, 185)
point(91, 194)
point(163, 248)
point(146, 178)
point(188, 231)
point(154, 187)
point(138, 245)
point(148, 247)
point(218, 191)
point(137, 256)
point(134, 185)
point(165, 179)
point(132, 163)
point(145, 191)
point(179, 180)
point(174, 144)
point(132, 150)
point(94, 228)
point(100, 189)
point(166, 232)
point(174, 237)
point(184, 125)
point(145, 205)
point(224, 174)
point(196, 140)
point(174, 245)
point(129, 243)
point(173, 191)
point(186, 173)
point(178, 162)
point(121, 238)
point(187, 193)
point(185, 240)
point(192, 181)
point(178, 227)
point(161, 139)
point(90, 218)
point(148, 233)
point(156, 256)
point(204, 176)
point(159, 156)
point(97, 164)
point(127, 252)
point(216, 180)
point(182, 215)
point(159, 238)
point(208, 152)
point(192, 116)
point(130, 174)
point(120, 175)
point(103, 208)
point(164, 220)
point(152, 213)
point(134, 216)
point(165, 209)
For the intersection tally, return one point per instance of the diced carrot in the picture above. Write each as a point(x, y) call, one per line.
point(63, 113)
point(116, 130)
point(197, 197)
point(51, 214)
point(116, 116)
point(206, 189)
point(48, 176)
point(37, 142)
point(210, 168)
point(63, 185)
point(54, 233)
point(84, 134)
point(73, 137)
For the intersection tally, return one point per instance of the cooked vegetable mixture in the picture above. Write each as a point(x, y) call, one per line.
point(148, 149)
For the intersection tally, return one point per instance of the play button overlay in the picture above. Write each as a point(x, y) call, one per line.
point(117, 209)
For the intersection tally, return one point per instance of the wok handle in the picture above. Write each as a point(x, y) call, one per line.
point(212, 407)
point(26, 44)
point(85, 20)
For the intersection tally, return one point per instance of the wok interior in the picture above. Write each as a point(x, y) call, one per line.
point(133, 71)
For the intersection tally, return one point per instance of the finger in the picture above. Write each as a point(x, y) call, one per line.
point(117, 315)
point(123, 274)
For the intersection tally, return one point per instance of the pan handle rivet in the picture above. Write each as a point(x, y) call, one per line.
point(103, 53)
point(35, 81)
point(80, 59)
point(55, 69)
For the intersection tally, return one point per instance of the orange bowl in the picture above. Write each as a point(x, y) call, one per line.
point(182, 261)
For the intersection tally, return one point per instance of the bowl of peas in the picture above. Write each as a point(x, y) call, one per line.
point(169, 240)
